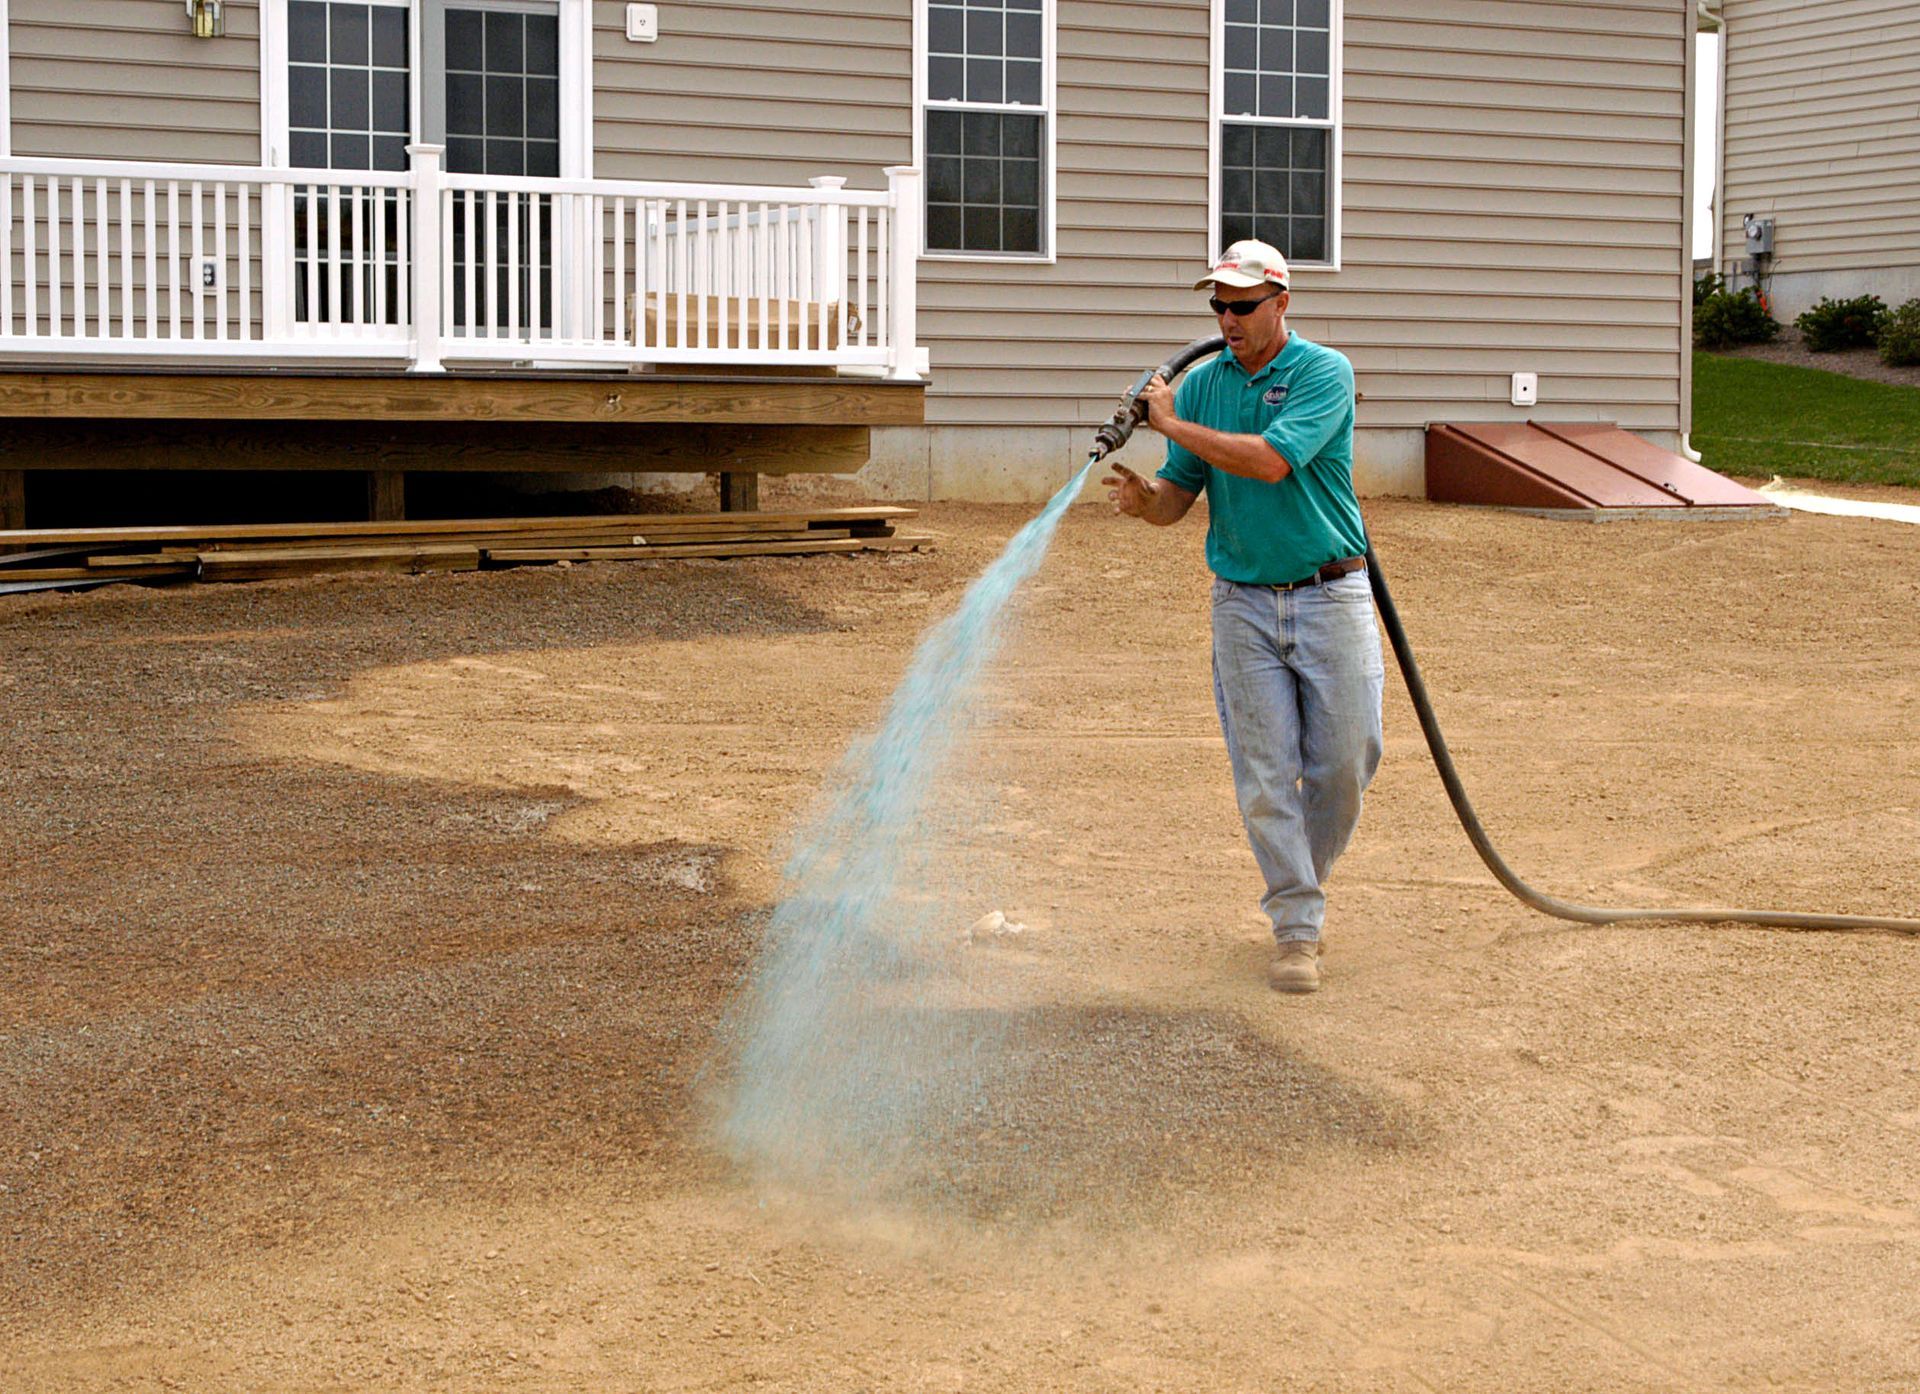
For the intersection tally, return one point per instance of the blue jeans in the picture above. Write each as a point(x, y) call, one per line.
point(1297, 677)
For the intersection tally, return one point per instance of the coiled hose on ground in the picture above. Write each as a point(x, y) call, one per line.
point(1114, 434)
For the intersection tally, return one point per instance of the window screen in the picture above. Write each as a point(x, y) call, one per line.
point(986, 126)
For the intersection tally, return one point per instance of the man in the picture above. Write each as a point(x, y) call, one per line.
point(1266, 430)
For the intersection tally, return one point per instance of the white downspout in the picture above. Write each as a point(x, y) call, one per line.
point(1713, 21)
point(1708, 20)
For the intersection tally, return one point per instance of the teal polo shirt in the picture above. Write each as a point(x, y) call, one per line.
point(1302, 403)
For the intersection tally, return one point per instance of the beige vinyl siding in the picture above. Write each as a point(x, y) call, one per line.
point(1512, 201)
point(1823, 134)
point(124, 80)
point(753, 93)
point(1512, 193)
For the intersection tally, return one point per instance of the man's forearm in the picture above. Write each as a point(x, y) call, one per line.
point(1248, 456)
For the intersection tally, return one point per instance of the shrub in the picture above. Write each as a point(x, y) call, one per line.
point(1726, 318)
point(1713, 283)
point(1843, 324)
point(1900, 336)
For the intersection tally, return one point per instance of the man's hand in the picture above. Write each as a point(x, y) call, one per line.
point(1159, 399)
point(1131, 494)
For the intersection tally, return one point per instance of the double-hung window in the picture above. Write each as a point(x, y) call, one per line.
point(1277, 104)
point(987, 126)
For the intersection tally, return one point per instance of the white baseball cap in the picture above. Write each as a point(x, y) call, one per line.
point(1245, 265)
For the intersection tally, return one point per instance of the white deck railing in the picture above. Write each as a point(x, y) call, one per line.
point(165, 262)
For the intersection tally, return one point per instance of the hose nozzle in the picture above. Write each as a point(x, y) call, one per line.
point(1118, 428)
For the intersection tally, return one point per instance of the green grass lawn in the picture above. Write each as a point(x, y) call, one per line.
point(1760, 418)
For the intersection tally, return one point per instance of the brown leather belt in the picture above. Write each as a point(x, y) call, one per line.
point(1332, 571)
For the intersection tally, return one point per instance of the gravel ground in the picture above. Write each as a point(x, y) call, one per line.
point(366, 943)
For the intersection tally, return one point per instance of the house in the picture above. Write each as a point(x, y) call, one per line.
point(440, 197)
point(1820, 149)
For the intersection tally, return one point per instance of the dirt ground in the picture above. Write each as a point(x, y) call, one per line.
point(364, 943)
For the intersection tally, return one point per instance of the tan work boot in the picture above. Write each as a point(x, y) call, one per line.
point(1297, 968)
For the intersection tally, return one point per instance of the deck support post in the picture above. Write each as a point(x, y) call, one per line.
point(739, 491)
point(13, 499)
point(386, 496)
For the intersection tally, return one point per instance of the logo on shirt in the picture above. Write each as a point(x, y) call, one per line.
point(1275, 395)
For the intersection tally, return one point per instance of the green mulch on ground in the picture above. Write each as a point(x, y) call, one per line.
point(1751, 417)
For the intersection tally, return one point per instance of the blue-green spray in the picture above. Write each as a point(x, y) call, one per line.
point(859, 1038)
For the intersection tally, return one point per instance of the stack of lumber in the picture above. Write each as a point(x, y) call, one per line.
point(40, 559)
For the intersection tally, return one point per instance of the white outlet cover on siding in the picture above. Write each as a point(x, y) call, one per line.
point(643, 23)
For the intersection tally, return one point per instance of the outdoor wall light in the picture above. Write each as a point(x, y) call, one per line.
point(204, 16)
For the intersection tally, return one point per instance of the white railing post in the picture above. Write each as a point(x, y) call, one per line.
point(830, 279)
point(428, 249)
point(903, 196)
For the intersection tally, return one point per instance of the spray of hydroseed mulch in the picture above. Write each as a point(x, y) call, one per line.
point(865, 1037)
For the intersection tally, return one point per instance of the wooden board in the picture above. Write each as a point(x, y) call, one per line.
point(430, 529)
point(8, 559)
point(666, 319)
point(313, 396)
point(84, 573)
point(540, 551)
point(508, 555)
point(257, 564)
point(398, 446)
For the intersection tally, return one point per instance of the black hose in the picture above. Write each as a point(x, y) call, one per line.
point(1553, 905)
point(1113, 435)
point(1116, 430)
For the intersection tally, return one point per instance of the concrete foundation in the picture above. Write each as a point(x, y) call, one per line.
point(1793, 292)
point(1027, 464)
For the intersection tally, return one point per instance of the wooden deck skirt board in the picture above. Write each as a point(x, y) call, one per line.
point(387, 423)
point(147, 443)
point(459, 397)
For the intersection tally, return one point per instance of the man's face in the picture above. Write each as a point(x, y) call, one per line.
point(1252, 320)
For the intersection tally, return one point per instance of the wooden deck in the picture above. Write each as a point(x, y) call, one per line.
point(386, 423)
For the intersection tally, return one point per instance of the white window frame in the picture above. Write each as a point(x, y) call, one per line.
point(576, 81)
point(1049, 111)
point(1334, 124)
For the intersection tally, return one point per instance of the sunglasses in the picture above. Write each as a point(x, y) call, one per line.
point(1240, 308)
